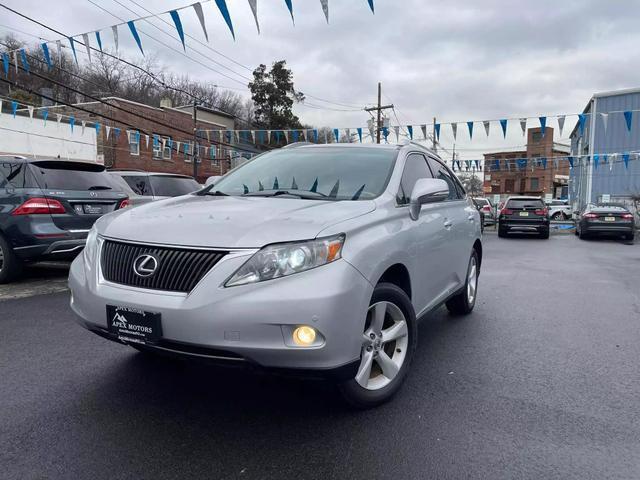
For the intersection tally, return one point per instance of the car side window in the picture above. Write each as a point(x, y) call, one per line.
point(139, 184)
point(441, 172)
point(415, 168)
point(12, 174)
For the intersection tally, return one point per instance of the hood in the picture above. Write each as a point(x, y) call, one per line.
point(228, 222)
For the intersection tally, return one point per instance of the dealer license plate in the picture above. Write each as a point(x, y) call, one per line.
point(93, 209)
point(524, 214)
point(609, 219)
point(133, 325)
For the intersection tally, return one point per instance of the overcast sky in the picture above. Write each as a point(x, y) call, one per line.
point(456, 60)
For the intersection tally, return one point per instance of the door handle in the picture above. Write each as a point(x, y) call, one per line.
point(448, 224)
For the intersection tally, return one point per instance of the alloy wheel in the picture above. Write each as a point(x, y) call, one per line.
point(472, 280)
point(384, 346)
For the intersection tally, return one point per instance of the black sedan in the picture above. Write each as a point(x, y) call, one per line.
point(606, 219)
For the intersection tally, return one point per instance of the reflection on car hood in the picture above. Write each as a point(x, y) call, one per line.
point(228, 222)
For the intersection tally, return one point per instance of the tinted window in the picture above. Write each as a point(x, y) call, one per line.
point(441, 172)
point(343, 173)
point(415, 168)
point(139, 184)
point(525, 203)
point(168, 186)
point(13, 174)
point(72, 176)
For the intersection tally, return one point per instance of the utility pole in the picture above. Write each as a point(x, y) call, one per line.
point(433, 139)
point(378, 109)
point(194, 155)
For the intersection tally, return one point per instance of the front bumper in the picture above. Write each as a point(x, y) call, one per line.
point(248, 323)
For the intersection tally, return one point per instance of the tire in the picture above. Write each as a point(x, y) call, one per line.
point(10, 265)
point(629, 236)
point(502, 232)
point(544, 234)
point(558, 216)
point(582, 235)
point(371, 387)
point(463, 302)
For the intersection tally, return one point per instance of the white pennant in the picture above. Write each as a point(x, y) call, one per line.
point(254, 8)
point(253, 136)
point(164, 144)
point(286, 135)
point(208, 136)
point(83, 124)
point(605, 120)
point(15, 60)
point(396, 130)
point(611, 159)
point(107, 130)
point(560, 123)
point(85, 40)
point(114, 30)
point(454, 129)
point(348, 132)
point(58, 118)
point(424, 131)
point(146, 140)
point(177, 147)
point(59, 50)
point(487, 125)
point(325, 8)
point(30, 108)
point(198, 8)
point(523, 125)
point(268, 136)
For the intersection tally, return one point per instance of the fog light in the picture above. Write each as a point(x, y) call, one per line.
point(304, 336)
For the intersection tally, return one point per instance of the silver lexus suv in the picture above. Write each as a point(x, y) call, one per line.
point(317, 259)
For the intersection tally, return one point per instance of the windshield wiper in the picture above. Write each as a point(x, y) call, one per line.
point(216, 193)
point(296, 193)
point(99, 187)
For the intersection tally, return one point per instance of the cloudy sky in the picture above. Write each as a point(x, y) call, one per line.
point(457, 60)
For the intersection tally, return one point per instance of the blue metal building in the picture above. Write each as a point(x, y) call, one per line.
point(600, 171)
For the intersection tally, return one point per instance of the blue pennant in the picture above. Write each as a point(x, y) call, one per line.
point(277, 133)
point(72, 122)
point(5, 62)
point(371, 6)
point(315, 135)
point(290, 7)
point(503, 124)
point(134, 32)
point(176, 20)
point(497, 164)
point(25, 63)
point(222, 6)
point(628, 116)
point(522, 163)
point(359, 134)
point(570, 161)
point(97, 127)
point(544, 162)
point(410, 130)
point(385, 132)
point(14, 108)
point(336, 133)
point(295, 135)
point(582, 118)
point(73, 49)
point(477, 162)
point(436, 127)
point(470, 126)
point(625, 159)
point(99, 40)
point(543, 124)
point(45, 114)
point(116, 133)
point(596, 160)
point(47, 57)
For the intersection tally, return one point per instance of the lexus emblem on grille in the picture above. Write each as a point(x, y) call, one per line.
point(145, 265)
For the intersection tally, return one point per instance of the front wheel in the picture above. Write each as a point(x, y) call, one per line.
point(558, 216)
point(463, 302)
point(388, 343)
point(10, 265)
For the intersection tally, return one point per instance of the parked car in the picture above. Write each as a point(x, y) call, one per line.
point(608, 219)
point(143, 187)
point(486, 209)
point(524, 214)
point(47, 207)
point(559, 209)
point(317, 260)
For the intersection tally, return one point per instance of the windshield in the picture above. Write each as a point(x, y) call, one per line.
point(169, 186)
point(314, 172)
point(525, 203)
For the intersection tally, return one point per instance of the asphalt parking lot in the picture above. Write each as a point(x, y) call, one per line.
point(542, 381)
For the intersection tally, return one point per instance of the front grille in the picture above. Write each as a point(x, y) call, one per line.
point(178, 270)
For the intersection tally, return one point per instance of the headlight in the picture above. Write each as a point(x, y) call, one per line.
point(91, 245)
point(280, 260)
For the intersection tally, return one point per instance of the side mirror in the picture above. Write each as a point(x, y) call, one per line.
point(427, 190)
point(212, 180)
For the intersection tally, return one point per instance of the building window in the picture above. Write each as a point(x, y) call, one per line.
point(523, 184)
point(535, 184)
point(536, 137)
point(509, 185)
point(161, 147)
point(166, 153)
point(134, 142)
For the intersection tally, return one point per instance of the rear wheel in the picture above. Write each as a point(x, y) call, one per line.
point(582, 235)
point(629, 236)
point(544, 234)
point(558, 216)
point(10, 265)
point(502, 232)
point(463, 302)
point(388, 342)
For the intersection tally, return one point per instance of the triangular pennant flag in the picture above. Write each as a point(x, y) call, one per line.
point(98, 40)
point(454, 129)
point(396, 130)
point(253, 136)
point(605, 120)
point(176, 21)
point(487, 126)
point(222, 6)
point(107, 130)
point(254, 9)
point(58, 118)
point(325, 8)
point(477, 162)
point(555, 163)
point(596, 160)
point(628, 117)
point(114, 31)
point(544, 162)
point(268, 136)
point(372, 134)
point(47, 56)
point(290, 7)
point(15, 60)
point(315, 135)
point(14, 108)
point(45, 115)
point(424, 131)
point(410, 131)
point(73, 48)
point(5, 64)
point(613, 156)
point(136, 37)
point(561, 123)
point(146, 141)
point(582, 118)
point(200, 14)
point(385, 132)
point(30, 109)
point(84, 124)
point(625, 159)
point(97, 127)
point(470, 127)
point(347, 131)
point(497, 164)
point(137, 137)
point(436, 129)
point(295, 135)
point(286, 136)
point(59, 49)
point(25, 63)
point(543, 124)
point(522, 163)
point(178, 146)
point(359, 130)
point(523, 126)
point(336, 133)
point(371, 6)
point(87, 45)
point(72, 122)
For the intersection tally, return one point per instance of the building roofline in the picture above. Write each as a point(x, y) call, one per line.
point(206, 109)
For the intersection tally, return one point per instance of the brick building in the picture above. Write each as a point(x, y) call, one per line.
point(535, 179)
point(162, 141)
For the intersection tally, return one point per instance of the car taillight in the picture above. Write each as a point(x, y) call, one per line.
point(39, 206)
point(542, 211)
point(486, 208)
point(627, 216)
point(506, 211)
point(124, 203)
point(590, 215)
